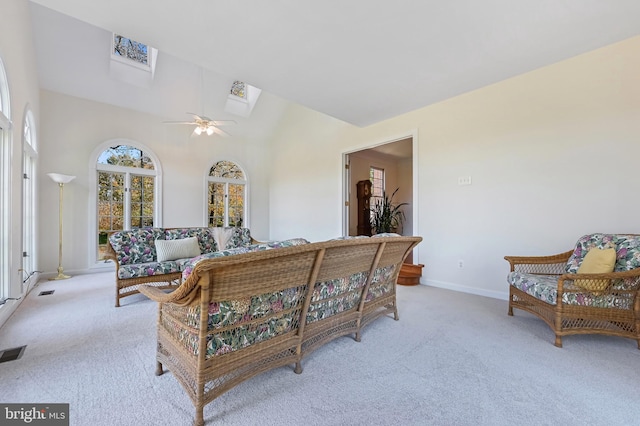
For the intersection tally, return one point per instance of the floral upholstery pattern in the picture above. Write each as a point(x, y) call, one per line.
point(136, 250)
point(136, 246)
point(325, 301)
point(382, 283)
point(545, 288)
point(241, 238)
point(205, 237)
point(191, 263)
point(237, 321)
point(627, 250)
point(148, 269)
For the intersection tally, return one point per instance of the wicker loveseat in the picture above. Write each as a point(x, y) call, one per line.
point(572, 302)
point(270, 308)
point(135, 254)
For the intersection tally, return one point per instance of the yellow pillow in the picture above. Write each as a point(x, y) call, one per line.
point(597, 261)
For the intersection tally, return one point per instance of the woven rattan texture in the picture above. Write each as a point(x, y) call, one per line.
point(617, 312)
point(256, 305)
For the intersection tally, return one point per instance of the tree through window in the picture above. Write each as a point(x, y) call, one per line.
point(226, 195)
point(126, 191)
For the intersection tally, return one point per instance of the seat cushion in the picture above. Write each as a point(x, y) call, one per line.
point(545, 288)
point(148, 269)
point(542, 287)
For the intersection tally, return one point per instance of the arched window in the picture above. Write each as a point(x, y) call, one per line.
point(227, 192)
point(126, 191)
point(29, 158)
point(5, 141)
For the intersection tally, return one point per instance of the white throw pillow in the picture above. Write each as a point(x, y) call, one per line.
point(185, 248)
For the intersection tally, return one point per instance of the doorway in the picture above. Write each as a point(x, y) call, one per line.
point(396, 160)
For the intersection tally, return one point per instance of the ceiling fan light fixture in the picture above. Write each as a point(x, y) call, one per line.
point(210, 130)
point(198, 130)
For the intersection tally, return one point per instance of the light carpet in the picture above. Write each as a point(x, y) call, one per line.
point(451, 359)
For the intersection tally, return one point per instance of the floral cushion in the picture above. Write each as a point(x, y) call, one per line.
point(136, 246)
point(204, 236)
point(241, 238)
point(136, 270)
point(334, 296)
point(190, 264)
point(238, 321)
point(627, 248)
point(545, 288)
point(382, 283)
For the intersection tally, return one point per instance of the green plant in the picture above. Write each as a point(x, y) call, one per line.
point(386, 216)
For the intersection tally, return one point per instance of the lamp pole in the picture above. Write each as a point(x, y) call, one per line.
point(60, 179)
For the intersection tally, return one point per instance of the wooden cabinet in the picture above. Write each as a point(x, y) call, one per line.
point(364, 219)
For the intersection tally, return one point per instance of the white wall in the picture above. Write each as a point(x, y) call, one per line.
point(552, 155)
point(18, 56)
point(73, 128)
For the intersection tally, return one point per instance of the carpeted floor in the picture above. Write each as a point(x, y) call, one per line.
point(452, 359)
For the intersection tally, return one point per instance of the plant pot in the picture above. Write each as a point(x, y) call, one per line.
point(410, 274)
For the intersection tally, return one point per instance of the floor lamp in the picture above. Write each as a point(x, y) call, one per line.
point(60, 179)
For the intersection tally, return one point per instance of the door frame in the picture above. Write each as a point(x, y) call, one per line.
point(347, 184)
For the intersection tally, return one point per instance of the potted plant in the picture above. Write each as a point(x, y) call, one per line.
point(386, 216)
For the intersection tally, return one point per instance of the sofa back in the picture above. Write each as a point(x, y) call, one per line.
point(271, 294)
point(137, 245)
point(627, 250)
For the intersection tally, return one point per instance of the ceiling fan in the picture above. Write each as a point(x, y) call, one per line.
point(205, 125)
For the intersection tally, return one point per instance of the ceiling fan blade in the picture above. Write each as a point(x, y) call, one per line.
point(222, 122)
point(197, 117)
point(180, 122)
point(220, 131)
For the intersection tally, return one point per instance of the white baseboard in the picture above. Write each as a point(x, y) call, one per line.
point(7, 309)
point(502, 295)
point(97, 268)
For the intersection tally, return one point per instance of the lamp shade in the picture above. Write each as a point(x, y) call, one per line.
point(60, 178)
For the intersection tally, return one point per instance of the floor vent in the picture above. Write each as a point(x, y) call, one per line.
point(46, 293)
point(11, 354)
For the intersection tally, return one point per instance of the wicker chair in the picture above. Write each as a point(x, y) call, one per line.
point(550, 288)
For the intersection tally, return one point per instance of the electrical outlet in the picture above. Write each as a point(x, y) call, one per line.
point(464, 180)
point(460, 263)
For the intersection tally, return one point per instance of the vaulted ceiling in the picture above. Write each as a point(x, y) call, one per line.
point(361, 61)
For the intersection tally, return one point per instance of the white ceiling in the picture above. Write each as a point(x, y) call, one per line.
point(361, 61)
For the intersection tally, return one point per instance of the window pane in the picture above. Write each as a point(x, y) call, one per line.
point(236, 205)
point(376, 176)
point(141, 211)
point(238, 88)
point(128, 156)
point(216, 204)
point(110, 207)
point(226, 169)
point(130, 49)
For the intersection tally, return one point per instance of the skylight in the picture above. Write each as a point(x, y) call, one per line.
point(132, 62)
point(242, 98)
point(124, 47)
point(238, 89)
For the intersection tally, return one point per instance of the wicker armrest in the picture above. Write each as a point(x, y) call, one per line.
point(547, 265)
point(185, 294)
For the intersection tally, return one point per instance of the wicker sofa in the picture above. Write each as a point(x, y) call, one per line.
point(270, 308)
point(135, 254)
point(556, 289)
